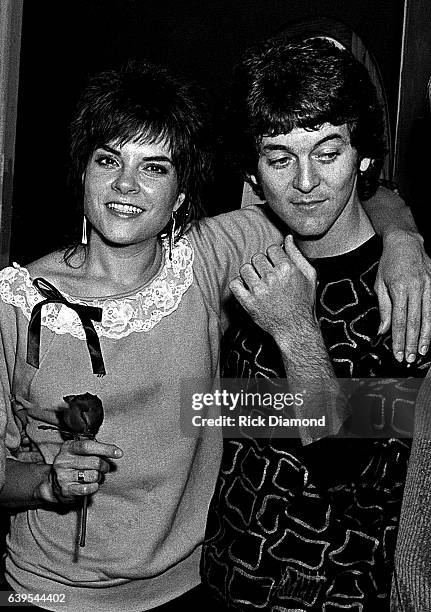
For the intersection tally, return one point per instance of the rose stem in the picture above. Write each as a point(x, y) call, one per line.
point(83, 528)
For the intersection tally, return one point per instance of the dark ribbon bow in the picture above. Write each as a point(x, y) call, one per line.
point(87, 314)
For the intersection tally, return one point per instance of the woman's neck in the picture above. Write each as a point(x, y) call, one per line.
point(109, 269)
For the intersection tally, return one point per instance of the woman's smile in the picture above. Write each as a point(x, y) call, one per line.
point(131, 190)
point(123, 210)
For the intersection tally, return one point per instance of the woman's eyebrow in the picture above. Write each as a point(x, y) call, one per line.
point(109, 149)
point(159, 158)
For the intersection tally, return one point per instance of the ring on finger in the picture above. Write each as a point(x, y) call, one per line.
point(81, 476)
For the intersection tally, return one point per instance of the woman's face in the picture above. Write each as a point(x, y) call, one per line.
point(130, 191)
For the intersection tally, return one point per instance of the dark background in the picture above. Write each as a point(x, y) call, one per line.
point(63, 42)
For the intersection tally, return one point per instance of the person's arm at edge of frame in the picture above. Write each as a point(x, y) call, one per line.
point(26, 485)
point(31, 484)
point(2, 446)
point(403, 283)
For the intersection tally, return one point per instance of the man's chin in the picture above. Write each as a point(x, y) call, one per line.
point(310, 234)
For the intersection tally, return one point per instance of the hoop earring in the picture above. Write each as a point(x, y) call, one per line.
point(84, 239)
point(172, 237)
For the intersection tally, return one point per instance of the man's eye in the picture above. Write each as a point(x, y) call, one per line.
point(328, 156)
point(279, 162)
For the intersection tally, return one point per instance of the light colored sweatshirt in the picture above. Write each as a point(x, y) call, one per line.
point(146, 523)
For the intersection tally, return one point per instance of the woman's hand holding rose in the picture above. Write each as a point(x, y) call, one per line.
point(77, 456)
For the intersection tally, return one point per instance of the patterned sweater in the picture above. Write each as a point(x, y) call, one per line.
point(313, 528)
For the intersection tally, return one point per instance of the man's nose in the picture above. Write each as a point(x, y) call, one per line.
point(126, 181)
point(306, 178)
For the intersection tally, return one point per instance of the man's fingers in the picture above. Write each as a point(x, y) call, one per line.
point(298, 258)
point(261, 264)
point(385, 307)
point(414, 317)
point(399, 319)
point(242, 294)
point(239, 290)
point(249, 275)
point(425, 335)
point(289, 256)
point(276, 255)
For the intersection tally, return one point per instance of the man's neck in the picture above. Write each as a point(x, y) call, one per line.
point(350, 231)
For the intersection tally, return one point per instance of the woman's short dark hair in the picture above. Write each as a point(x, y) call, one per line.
point(142, 101)
point(284, 84)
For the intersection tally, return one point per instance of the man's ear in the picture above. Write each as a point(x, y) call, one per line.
point(180, 199)
point(365, 164)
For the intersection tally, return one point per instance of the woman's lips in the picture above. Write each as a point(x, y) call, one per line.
point(124, 210)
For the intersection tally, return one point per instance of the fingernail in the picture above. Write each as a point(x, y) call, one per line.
point(379, 331)
point(423, 350)
point(118, 452)
point(399, 356)
point(411, 357)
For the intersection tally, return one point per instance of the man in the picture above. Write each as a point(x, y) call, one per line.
point(295, 525)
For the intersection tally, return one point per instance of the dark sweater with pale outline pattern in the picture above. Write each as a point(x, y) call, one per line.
point(294, 527)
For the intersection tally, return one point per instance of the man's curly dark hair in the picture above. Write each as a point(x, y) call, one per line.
point(282, 84)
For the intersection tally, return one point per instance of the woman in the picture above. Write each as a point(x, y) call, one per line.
point(128, 314)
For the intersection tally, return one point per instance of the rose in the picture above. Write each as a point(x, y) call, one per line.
point(80, 419)
point(83, 416)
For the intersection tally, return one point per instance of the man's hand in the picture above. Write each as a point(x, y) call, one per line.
point(403, 287)
point(278, 291)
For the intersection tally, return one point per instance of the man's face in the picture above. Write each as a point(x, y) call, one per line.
point(309, 177)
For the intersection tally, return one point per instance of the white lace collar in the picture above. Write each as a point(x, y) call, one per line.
point(139, 312)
